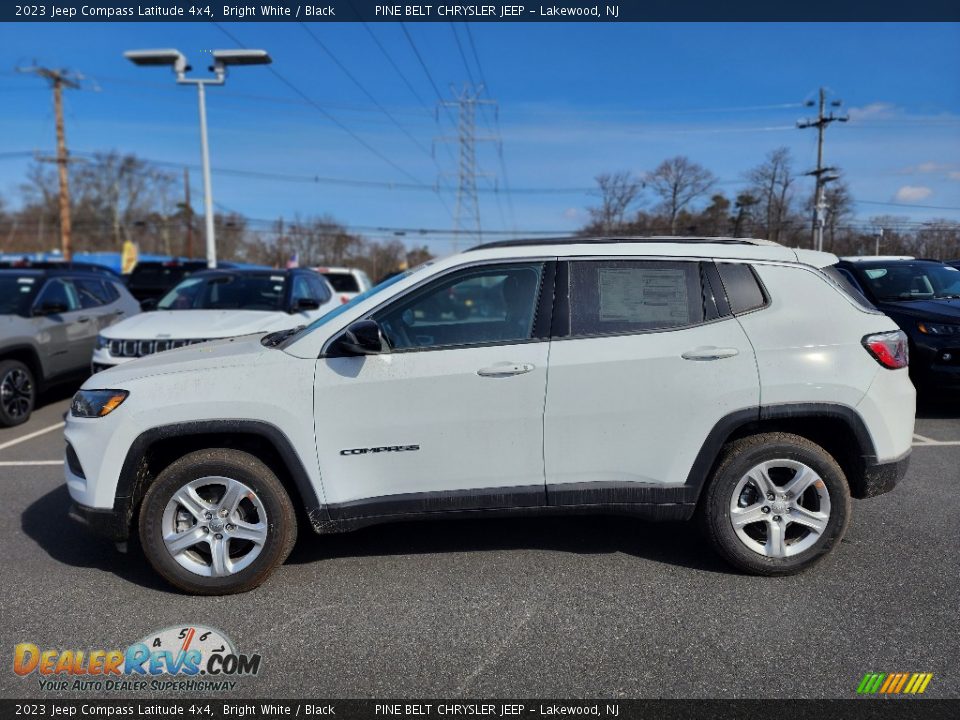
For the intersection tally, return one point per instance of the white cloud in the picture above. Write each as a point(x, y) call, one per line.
point(912, 193)
point(954, 175)
point(571, 213)
point(872, 111)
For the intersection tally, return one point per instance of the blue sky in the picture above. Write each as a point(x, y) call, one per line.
point(574, 100)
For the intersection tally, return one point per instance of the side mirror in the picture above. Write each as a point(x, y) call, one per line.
point(361, 338)
point(50, 308)
point(305, 304)
point(149, 304)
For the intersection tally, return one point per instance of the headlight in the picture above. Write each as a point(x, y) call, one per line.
point(96, 403)
point(102, 342)
point(938, 329)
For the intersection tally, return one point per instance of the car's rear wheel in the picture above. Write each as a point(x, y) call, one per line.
point(776, 505)
point(18, 393)
point(217, 522)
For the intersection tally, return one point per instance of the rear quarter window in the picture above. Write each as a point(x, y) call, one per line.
point(743, 289)
point(848, 286)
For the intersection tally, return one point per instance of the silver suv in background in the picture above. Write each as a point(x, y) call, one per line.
point(49, 322)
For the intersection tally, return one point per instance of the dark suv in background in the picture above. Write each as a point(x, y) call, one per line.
point(151, 280)
point(923, 298)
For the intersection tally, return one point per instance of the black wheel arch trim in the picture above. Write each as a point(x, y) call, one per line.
point(130, 484)
point(729, 424)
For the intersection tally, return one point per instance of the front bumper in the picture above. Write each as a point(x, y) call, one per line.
point(935, 364)
point(110, 523)
point(880, 477)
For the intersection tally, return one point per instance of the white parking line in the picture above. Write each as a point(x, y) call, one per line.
point(11, 443)
point(29, 463)
point(921, 440)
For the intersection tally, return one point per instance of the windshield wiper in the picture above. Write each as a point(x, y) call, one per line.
point(275, 338)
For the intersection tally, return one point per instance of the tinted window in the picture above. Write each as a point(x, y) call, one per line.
point(260, 291)
point(156, 275)
point(59, 292)
point(497, 303)
point(93, 293)
point(626, 296)
point(17, 293)
point(742, 287)
point(318, 288)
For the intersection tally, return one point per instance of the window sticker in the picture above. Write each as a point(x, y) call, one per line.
point(643, 295)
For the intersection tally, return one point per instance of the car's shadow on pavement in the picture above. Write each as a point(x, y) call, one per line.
point(672, 543)
point(68, 542)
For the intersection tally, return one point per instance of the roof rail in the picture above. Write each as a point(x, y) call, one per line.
point(602, 240)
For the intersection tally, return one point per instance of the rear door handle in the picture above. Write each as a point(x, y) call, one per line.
point(505, 369)
point(709, 353)
point(83, 319)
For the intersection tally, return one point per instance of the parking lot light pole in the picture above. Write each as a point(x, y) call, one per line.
point(221, 59)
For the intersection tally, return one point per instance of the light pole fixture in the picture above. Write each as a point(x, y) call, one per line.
point(178, 61)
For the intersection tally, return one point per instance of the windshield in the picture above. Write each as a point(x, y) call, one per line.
point(156, 275)
point(260, 291)
point(911, 281)
point(17, 293)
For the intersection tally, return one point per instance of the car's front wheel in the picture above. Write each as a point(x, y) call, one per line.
point(776, 505)
point(18, 393)
point(217, 522)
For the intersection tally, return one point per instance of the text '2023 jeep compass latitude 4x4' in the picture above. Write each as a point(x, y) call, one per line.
point(735, 381)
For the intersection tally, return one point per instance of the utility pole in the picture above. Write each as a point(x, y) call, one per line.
point(466, 217)
point(820, 174)
point(60, 79)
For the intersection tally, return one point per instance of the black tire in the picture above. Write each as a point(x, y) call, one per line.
point(281, 521)
point(18, 393)
point(740, 457)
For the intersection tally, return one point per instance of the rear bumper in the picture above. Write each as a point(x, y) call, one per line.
point(106, 523)
point(879, 478)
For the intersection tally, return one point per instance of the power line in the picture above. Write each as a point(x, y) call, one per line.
point(323, 112)
point(362, 87)
point(463, 57)
point(394, 65)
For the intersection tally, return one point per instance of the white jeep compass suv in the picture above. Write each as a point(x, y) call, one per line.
point(739, 382)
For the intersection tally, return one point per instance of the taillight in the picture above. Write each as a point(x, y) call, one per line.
point(889, 349)
point(344, 299)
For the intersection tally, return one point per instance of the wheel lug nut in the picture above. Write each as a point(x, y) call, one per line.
point(223, 512)
point(777, 518)
point(769, 496)
point(764, 509)
point(207, 515)
point(218, 536)
point(230, 527)
point(205, 530)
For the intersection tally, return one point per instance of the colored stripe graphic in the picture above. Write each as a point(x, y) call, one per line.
point(894, 683)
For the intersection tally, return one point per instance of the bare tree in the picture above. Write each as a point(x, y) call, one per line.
point(678, 182)
point(772, 184)
point(618, 191)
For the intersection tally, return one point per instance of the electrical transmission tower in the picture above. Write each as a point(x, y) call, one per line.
point(466, 216)
point(58, 80)
point(821, 173)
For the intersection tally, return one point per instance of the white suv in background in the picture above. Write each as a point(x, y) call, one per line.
point(347, 282)
point(735, 381)
point(215, 304)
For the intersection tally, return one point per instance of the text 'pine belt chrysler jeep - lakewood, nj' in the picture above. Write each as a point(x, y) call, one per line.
point(737, 382)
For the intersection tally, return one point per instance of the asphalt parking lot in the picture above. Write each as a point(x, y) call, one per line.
point(565, 607)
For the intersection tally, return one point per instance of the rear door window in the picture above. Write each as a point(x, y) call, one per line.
point(610, 297)
point(343, 282)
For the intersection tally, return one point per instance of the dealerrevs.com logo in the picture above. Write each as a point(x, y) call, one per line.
point(191, 658)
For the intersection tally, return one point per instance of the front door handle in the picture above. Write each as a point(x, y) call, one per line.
point(83, 319)
point(505, 369)
point(709, 353)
